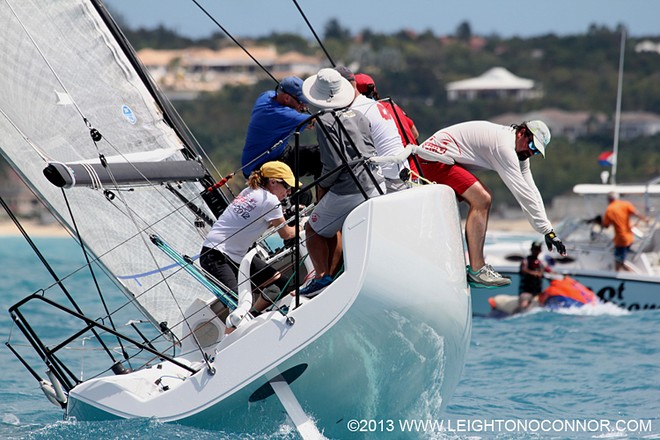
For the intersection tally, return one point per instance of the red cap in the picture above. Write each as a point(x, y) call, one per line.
point(362, 81)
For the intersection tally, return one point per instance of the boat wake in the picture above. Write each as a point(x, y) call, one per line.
point(152, 428)
point(598, 309)
point(10, 419)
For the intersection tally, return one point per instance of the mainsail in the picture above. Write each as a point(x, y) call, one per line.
point(70, 94)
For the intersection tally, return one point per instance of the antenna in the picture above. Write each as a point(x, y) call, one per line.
point(314, 32)
point(617, 114)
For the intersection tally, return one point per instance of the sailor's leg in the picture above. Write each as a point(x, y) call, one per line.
point(479, 199)
point(319, 251)
point(335, 248)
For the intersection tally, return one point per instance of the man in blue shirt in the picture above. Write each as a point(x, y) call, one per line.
point(275, 116)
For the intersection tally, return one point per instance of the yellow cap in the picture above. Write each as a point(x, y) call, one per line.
point(278, 170)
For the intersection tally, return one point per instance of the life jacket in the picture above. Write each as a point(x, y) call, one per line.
point(565, 293)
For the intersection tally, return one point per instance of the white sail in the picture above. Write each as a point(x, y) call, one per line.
point(72, 102)
point(63, 72)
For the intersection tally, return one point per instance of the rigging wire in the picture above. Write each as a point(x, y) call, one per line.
point(43, 56)
point(48, 267)
point(87, 123)
point(34, 146)
point(36, 250)
point(198, 144)
point(92, 273)
point(96, 136)
point(93, 131)
point(234, 40)
point(295, 2)
point(130, 213)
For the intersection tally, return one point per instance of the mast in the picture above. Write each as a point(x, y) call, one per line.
point(617, 114)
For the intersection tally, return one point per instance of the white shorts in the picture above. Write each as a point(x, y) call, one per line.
point(331, 211)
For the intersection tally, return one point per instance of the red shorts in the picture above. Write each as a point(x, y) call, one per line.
point(457, 178)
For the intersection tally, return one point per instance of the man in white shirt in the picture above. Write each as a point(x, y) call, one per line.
point(483, 145)
point(384, 132)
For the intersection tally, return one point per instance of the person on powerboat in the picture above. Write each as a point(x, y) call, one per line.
point(617, 215)
point(532, 270)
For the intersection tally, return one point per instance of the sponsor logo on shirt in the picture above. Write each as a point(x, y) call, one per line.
point(435, 146)
point(243, 206)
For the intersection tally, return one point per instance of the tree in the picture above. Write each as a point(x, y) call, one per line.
point(464, 32)
point(334, 30)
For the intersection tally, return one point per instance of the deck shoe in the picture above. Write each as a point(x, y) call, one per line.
point(486, 277)
point(314, 288)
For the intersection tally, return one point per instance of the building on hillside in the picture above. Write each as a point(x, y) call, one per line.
point(637, 124)
point(203, 70)
point(573, 124)
point(647, 46)
point(496, 83)
point(562, 123)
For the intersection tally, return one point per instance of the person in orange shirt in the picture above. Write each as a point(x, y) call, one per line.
point(618, 214)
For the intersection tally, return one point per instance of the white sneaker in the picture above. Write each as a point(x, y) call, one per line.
point(486, 277)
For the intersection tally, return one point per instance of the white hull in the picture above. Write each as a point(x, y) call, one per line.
point(386, 340)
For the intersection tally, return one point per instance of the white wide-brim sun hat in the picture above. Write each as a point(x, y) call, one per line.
point(328, 89)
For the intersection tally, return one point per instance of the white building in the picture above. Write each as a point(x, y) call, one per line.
point(573, 124)
point(200, 69)
point(647, 46)
point(496, 83)
point(568, 124)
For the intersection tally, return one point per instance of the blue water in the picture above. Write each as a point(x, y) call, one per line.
point(541, 367)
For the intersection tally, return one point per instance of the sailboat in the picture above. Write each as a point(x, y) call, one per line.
point(92, 136)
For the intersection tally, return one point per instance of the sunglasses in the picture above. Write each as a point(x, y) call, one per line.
point(533, 148)
point(295, 99)
point(284, 184)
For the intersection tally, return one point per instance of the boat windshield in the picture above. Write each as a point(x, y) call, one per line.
point(577, 230)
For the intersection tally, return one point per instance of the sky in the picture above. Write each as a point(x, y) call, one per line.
point(506, 18)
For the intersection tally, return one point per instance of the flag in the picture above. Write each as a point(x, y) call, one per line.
point(606, 159)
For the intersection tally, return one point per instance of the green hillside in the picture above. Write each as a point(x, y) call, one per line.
point(577, 72)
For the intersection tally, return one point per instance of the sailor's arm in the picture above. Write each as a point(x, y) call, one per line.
point(286, 232)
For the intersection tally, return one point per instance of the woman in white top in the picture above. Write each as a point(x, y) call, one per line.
point(251, 213)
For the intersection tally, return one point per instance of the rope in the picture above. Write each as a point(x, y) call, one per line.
point(295, 2)
point(234, 40)
point(96, 180)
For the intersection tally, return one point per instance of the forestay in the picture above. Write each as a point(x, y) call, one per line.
point(63, 73)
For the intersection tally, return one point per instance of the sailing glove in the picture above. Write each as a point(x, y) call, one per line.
point(551, 240)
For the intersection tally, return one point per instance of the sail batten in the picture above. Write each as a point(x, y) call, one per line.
point(63, 72)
